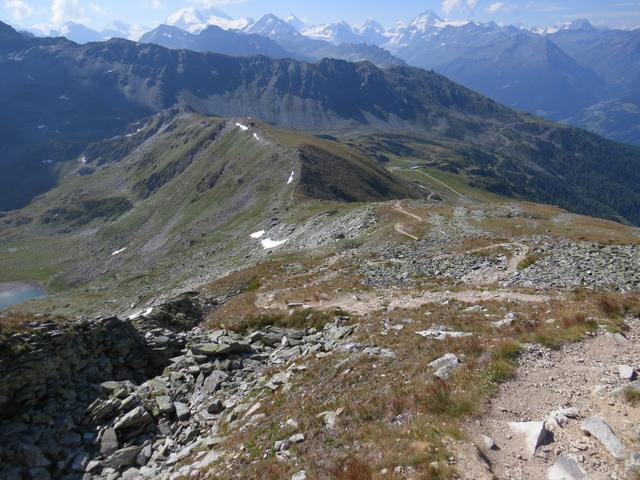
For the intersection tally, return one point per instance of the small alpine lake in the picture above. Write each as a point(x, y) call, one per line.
point(15, 293)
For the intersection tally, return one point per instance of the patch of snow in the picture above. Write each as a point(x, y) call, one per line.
point(259, 234)
point(141, 314)
point(293, 173)
point(134, 133)
point(83, 160)
point(267, 243)
point(244, 128)
point(256, 136)
point(118, 252)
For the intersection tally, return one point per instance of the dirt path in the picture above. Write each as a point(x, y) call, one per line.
point(364, 303)
point(399, 227)
point(432, 178)
point(581, 376)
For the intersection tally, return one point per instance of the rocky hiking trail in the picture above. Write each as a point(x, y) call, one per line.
point(579, 425)
point(400, 227)
point(387, 353)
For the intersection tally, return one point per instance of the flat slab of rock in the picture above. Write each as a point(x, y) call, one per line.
point(566, 468)
point(440, 332)
point(602, 432)
point(221, 349)
point(534, 433)
point(123, 457)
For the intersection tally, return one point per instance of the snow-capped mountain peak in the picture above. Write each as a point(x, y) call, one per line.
point(194, 20)
point(295, 22)
point(186, 18)
point(336, 33)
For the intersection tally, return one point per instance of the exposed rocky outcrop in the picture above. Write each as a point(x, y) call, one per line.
point(134, 398)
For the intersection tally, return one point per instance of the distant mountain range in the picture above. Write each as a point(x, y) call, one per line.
point(57, 97)
point(575, 73)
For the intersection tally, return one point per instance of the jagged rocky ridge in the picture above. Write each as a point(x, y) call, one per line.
point(111, 398)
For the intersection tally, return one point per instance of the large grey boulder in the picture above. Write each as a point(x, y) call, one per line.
point(602, 432)
point(133, 423)
point(123, 457)
point(566, 468)
point(108, 442)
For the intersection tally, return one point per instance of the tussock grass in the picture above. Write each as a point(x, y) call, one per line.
point(351, 468)
point(298, 319)
point(632, 396)
point(529, 260)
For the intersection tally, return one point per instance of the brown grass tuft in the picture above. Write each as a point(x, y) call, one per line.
point(351, 468)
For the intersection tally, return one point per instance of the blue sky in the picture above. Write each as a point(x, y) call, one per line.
point(97, 13)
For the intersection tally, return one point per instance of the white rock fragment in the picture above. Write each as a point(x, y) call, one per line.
point(330, 418)
point(560, 417)
point(626, 372)
point(244, 128)
point(534, 434)
point(487, 443)
point(508, 320)
point(566, 468)
point(291, 177)
point(259, 234)
point(445, 365)
point(301, 475)
point(440, 332)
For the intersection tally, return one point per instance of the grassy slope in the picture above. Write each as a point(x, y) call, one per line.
point(197, 187)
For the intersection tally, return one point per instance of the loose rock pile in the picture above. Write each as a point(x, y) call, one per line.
point(103, 399)
point(566, 264)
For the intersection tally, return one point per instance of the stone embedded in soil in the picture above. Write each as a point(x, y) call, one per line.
point(487, 442)
point(602, 432)
point(561, 417)
point(534, 432)
point(626, 372)
point(440, 332)
point(446, 360)
point(566, 468)
point(632, 466)
point(445, 365)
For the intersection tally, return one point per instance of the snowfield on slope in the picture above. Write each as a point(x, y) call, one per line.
point(267, 243)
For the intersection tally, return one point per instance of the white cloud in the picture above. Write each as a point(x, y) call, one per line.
point(98, 9)
point(449, 6)
point(495, 7)
point(19, 8)
point(67, 11)
point(155, 4)
point(472, 4)
point(218, 3)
